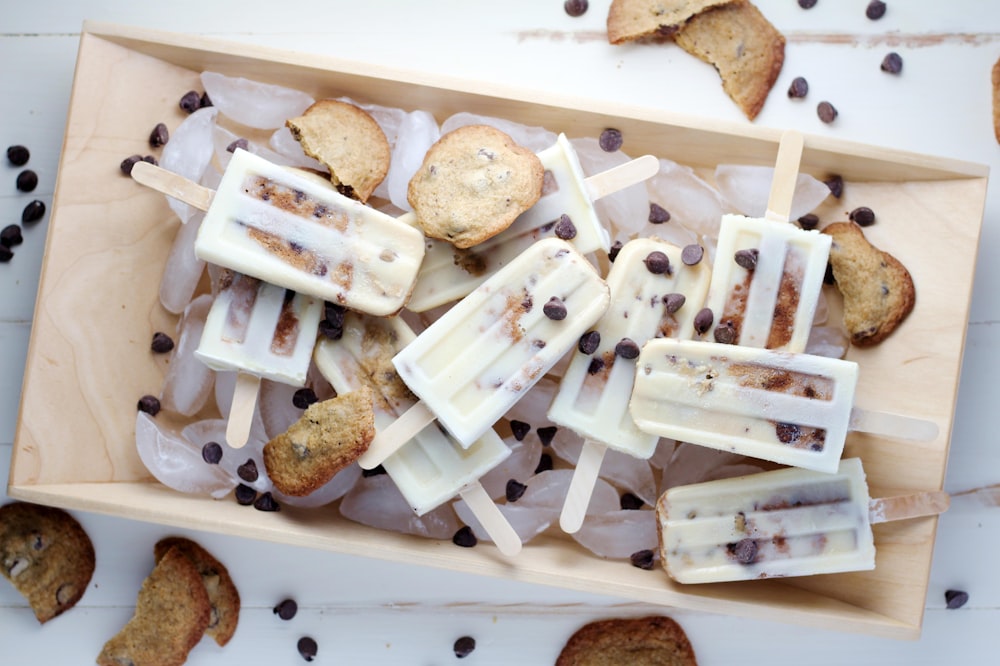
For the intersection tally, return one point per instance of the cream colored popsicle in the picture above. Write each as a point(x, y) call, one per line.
point(787, 522)
point(654, 293)
point(269, 222)
point(449, 273)
point(794, 409)
point(260, 331)
point(431, 468)
point(481, 356)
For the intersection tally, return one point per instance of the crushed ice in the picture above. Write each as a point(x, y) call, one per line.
point(176, 462)
point(252, 103)
point(747, 187)
point(376, 501)
point(189, 152)
point(188, 383)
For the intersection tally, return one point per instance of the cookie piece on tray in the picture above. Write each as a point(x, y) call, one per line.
point(878, 290)
point(629, 20)
point(348, 141)
point(644, 641)
point(47, 556)
point(473, 184)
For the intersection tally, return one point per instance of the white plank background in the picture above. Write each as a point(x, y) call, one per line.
point(367, 610)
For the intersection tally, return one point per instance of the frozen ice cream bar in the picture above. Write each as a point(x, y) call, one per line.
point(788, 522)
point(794, 409)
point(565, 210)
point(271, 223)
point(656, 291)
point(481, 356)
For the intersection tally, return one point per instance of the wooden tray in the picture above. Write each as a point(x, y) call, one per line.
point(89, 359)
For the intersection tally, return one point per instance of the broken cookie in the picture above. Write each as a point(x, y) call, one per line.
point(643, 641)
point(629, 20)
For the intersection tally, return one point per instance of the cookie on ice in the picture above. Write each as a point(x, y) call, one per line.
point(643, 641)
point(629, 20)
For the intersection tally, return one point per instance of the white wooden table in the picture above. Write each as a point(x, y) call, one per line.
point(371, 611)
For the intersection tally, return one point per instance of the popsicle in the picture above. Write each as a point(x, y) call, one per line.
point(787, 522)
point(794, 409)
point(482, 355)
point(260, 331)
point(655, 292)
point(269, 222)
point(448, 273)
point(431, 468)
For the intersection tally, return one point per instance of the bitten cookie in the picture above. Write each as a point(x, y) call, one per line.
point(878, 290)
point(473, 184)
point(222, 593)
point(348, 141)
point(46, 555)
point(171, 615)
point(742, 45)
point(331, 435)
point(644, 641)
point(629, 20)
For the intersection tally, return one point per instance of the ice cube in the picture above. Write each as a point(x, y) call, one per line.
point(692, 464)
point(200, 433)
point(376, 501)
point(252, 103)
point(625, 471)
point(189, 152)
point(619, 534)
point(175, 462)
point(527, 521)
point(183, 269)
point(747, 188)
point(547, 490)
point(694, 205)
point(283, 143)
point(188, 382)
point(829, 341)
point(535, 139)
point(626, 211)
point(332, 490)
point(417, 133)
point(277, 411)
point(519, 465)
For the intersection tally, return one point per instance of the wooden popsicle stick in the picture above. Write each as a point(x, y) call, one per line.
point(786, 175)
point(173, 185)
point(917, 505)
point(390, 439)
point(581, 487)
point(895, 426)
point(624, 175)
point(241, 411)
point(492, 520)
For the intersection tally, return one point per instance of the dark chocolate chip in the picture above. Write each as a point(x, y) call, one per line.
point(596, 365)
point(875, 10)
point(286, 609)
point(642, 559)
point(788, 433)
point(331, 331)
point(807, 4)
point(520, 429)
point(27, 180)
point(248, 471)
point(630, 502)
point(576, 7)
point(826, 112)
point(211, 453)
point(466, 644)
point(828, 277)
point(514, 490)
point(565, 229)
point(674, 302)
point(745, 551)
point(862, 216)
point(809, 221)
point(589, 342)
point(544, 463)
point(892, 63)
point(955, 598)
point(657, 263)
point(245, 495)
point(546, 433)
point(304, 397)
point(150, 159)
point(703, 320)
point(725, 333)
point(627, 348)
point(128, 163)
point(205, 100)
point(191, 101)
point(374, 471)
point(159, 136)
point(149, 404)
point(161, 343)
point(658, 214)
point(616, 247)
point(464, 537)
point(836, 185)
point(611, 140)
point(555, 309)
point(34, 211)
point(799, 87)
point(11, 235)
point(6, 254)
point(240, 143)
point(18, 155)
point(692, 254)
point(307, 648)
point(747, 258)
point(266, 502)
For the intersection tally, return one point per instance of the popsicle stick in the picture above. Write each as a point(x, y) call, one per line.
point(391, 438)
point(241, 411)
point(786, 174)
point(581, 487)
point(489, 516)
point(918, 505)
point(173, 185)
point(895, 426)
point(624, 175)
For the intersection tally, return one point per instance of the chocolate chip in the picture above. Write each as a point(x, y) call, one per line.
point(27, 180)
point(611, 140)
point(745, 551)
point(555, 309)
point(191, 101)
point(862, 216)
point(596, 365)
point(892, 63)
point(875, 10)
point(799, 87)
point(18, 155)
point(657, 263)
point(692, 254)
point(955, 598)
point(11, 236)
point(809, 221)
point(466, 644)
point(544, 463)
point(128, 163)
point(546, 433)
point(464, 537)
point(627, 348)
point(248, 471)
point(658, 214)
point(245, 495)
point(34, 211)
point(304, 397)
point(307, 648)
point(150, 159)
point(240, 143)
point(642, 559)
point(266, 502)
point(205, 101)
point(565, 229)
point(807, 4)
point(6, 254)
point(159, 136)
point(514, 490)
point(836, 185)
point(520, 429)
point(674, 302)
point(589, 342)
point(826, 112)
point(703, 320)
point(576, 7)
point(828, 277)
point(616, 247)
point(747, 258)
point(161, 343)
point(788, 433)
point(330, 331)
point(149, 404)
point(725, 333)
point(630, 502)
point(286, 609)
point(211, 453)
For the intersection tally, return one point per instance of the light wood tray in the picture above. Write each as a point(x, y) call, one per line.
point(89, 359)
